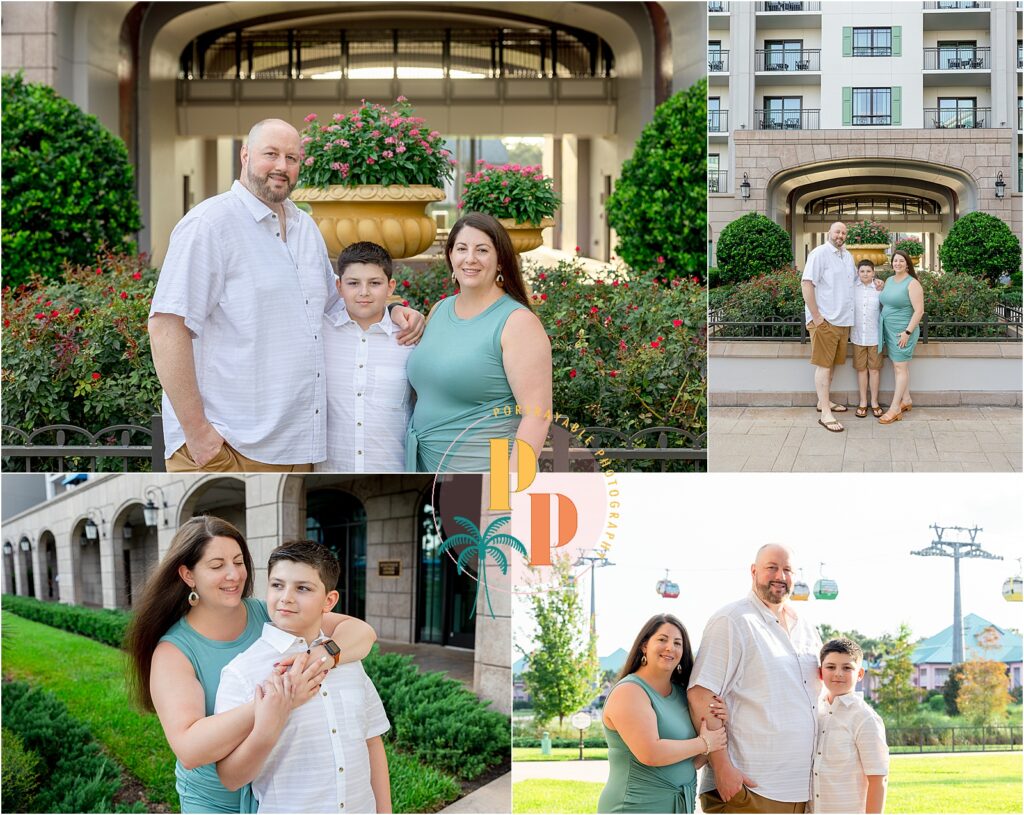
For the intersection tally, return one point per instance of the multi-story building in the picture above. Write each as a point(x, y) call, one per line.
point(933, 657)
point(907, 113)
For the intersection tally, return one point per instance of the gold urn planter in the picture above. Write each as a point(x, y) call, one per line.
point(392, 216)
point(525, 236)
point(875, 252)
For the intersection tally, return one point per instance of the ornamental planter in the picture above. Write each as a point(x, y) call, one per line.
point(875, 252)
point(525, 236)
point(394, 217)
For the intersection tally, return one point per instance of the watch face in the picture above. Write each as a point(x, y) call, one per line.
point(331, 646)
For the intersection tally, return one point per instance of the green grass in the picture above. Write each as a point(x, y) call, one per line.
point(939, 784)
point(89, 678)
point(560, 754)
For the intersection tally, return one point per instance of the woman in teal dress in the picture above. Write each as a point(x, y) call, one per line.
point(483, 368)
point(899, 324)
point(653, 749)
point(195, 614)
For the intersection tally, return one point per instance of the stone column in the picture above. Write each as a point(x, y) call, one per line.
point(39, 569)
point(492, 658)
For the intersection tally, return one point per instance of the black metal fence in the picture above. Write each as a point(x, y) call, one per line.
point(806, 59)
point(718, 121)
point(718, 6)
point(653, 449)
point(968, 57)
point(718, 181)
point(956, 4)
point(787, 119)
point(959, 118)
point(718, 62)
point(927, 739)
point(788, 5)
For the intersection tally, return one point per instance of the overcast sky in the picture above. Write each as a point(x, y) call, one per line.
point(705, 529)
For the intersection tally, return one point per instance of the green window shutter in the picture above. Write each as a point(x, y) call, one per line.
point(847, 41)
point(847, 107)
point(897, 107)
point(897, 41)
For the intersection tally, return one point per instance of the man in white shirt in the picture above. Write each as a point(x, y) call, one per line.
point(325, 755)
point(827, 286)
point(762, 659)
point(369, 399)
point(236, 322)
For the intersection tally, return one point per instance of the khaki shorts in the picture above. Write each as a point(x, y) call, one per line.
point(828, 344)
point(228, 460)
point(747, 800)
point(866, 358)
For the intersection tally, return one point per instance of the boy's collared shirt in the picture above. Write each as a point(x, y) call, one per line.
point(369, 400)
point(866, 309)
point(320, 762)
point(769, 681)
point(851, 746)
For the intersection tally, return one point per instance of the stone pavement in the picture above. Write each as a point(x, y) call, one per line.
point(928, 439)
point(495, 797)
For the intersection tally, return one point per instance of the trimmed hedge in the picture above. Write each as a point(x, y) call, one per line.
point(79, 778)
point(750, 246)
point(436, 719)
point(981, 245)
point(100, 624)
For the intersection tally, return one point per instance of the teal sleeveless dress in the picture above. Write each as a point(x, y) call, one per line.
point(897, 310)
point(635, 787)
point(460, 383)
point(200, 790)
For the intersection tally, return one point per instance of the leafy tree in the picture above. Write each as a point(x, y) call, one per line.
point(981, 245)
point(750, 246)
point(984, 694)
point(562, 670)
point(896, 694)
point(68, 187)
point(951, 688)
point(659, 206)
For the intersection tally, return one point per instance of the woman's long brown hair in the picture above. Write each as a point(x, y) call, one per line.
point(164, 598)
point(508, 261)
point(632, 664)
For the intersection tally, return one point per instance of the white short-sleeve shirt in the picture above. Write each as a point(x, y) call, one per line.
point(320, 762)
point(833, 274)
point(369, 399)
point(769, 681)
point(254, 305)
point(851, 746)
point(866, 309)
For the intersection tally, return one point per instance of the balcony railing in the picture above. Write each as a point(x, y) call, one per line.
point(787, 119)
point(718, 121)
point(718, 181)
point(718, 62)
point(719, 6)
point(872, 120)
point(872, 50)
point(787, 5)
point(959, 119)
point(957, 59)
point(808, 59)
point(956, 4)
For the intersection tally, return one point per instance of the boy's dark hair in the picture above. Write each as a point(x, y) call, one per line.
point(312, 554)
point(841, 645)
point(864, 262)
point(365, 252)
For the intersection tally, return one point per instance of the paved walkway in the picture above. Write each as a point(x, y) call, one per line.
point(495, 797)
point(929, 439)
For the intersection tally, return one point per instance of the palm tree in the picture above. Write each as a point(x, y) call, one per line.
point(481, 546)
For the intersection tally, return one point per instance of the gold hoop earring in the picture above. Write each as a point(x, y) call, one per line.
point(679, 668)
point(643, 659)
point(500, 280)
point(193, 598)
point(453, 277)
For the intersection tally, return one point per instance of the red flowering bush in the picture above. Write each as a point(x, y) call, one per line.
point(628, 349)
point(762, 299)
point(523, 194)
point(373, 144)
point(77, 352)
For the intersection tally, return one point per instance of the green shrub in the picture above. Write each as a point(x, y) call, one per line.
point(751, 246)
point(981, 245)
point(20, 773)
point(1009, 295)
point(959, 298)
point(416, 788)
point(715, 277)
point(911, 246)
point(867, 232)
point(659, 205)
point(765, 298)
point(78, 352)
point(937, 704)
point(68, 186)
point(436, 719)
point(103, 625)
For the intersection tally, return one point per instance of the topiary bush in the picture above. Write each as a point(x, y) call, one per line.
point(68, 186)
point(659, 206)
point(751, 246)
point(981, 245)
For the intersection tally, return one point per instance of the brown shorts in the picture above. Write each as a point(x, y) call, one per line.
point(747, 800)
point(228, 460)
point(828, 343)
point(866, 358)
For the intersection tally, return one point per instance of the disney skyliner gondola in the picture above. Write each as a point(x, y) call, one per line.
point(667, 588)
point(1013, 587)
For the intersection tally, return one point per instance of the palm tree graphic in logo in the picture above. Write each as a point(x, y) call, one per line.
point(482, 546)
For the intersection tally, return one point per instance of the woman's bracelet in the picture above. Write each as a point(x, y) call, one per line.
point(707, 745)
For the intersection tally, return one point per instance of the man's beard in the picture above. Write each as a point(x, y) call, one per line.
point(261, 188)
point(767, 594)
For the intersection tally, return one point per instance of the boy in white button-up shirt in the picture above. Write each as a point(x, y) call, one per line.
point(867, 361)
point(851, 759)
point(327, 754)
point(369, 400)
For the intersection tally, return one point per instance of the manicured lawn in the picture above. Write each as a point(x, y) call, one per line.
point(559, 754)
point(90, 679)
point(938, 784)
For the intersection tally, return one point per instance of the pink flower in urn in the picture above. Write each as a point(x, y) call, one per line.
point(371, 160)
point(309, 118)
point(414, 132)
point(309, 161)
point(400, 149)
